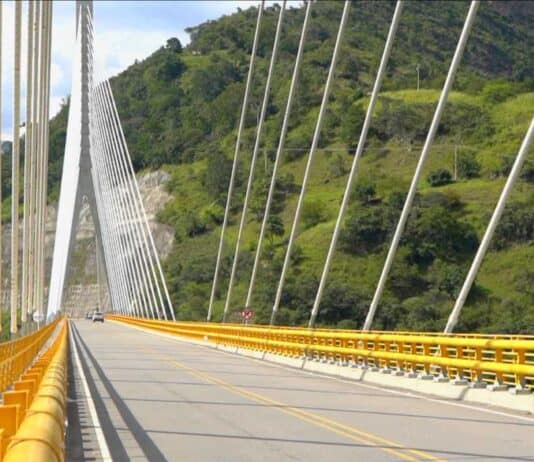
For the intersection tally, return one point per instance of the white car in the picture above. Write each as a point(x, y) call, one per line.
point(98, 316)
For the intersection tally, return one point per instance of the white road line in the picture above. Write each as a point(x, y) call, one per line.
point(102, 444)
point(337, 379)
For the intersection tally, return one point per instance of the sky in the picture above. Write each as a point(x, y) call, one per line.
point(124, 31)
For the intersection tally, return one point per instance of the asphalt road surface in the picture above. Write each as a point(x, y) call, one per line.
point(159, 399)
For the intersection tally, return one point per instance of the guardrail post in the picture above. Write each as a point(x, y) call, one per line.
point(9, 422)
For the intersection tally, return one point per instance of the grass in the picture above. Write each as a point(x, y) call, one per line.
point(391, 166)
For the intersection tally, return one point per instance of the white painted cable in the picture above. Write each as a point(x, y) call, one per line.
point(1, 155)
point(419, 169)
point(278, 157)
point(114, 266)
point(132, 218)
point(313, 148)
point(147, 233)
point(118, 270)
point(359, 151)
point(235, 163)
point(490, 230)
point(27, 165)
point(33, 166)
point(15, 172)
point(128, 249)
point(123, 209)
point(44, 192)
point(259, 132)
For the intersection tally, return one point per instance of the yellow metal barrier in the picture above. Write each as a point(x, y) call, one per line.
point(32, 418)
point(503, 359)
point(17, 355)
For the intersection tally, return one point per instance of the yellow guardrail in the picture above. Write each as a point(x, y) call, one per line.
point(33, 414)
point(17, 355)
point(507, 360)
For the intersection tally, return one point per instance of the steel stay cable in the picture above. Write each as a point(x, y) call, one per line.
point(140, 301)
point(135, 218)
point(492, 225)
point(419, 169)
point(118, 153)
point(27, 163)
point(132, 219)
point(125, 286)
point(119, 251)
point(242, 118)
point(114, 262)
point(33, 166)
point(115, 265)
point(42, 160)
point(109, 179)
point(1, 168)
point(46, 149)
point(259, 132)
point(140, 208)
point(359, 151)
point(133, 262)
point(15, 171)
point(283, 132)
point(311, 155)
point(39, 153)
point(44, 190)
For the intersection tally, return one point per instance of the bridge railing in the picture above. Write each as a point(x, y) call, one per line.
point(33, 414)
point(17, 355)
point(507, 360)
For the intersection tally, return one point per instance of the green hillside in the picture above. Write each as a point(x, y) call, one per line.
point(179, 109)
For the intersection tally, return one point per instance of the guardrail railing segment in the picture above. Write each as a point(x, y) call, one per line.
point(499, 359)
point(33, 414)
point(17, 355)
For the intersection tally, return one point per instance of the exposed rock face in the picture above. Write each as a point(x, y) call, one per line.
point(82, 273)
point(155, 197)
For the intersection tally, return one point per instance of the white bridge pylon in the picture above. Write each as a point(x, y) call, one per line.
point(97, 168)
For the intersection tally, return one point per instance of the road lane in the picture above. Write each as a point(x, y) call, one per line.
point(162, 399)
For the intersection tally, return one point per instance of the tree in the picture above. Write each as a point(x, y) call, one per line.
point(516, 225)
point(217, 175)
point(365, 191)
point(351, 125)
point(170, 68)
point(275, 227)
point(365, 229)
point(174, 44)
point(437, 233)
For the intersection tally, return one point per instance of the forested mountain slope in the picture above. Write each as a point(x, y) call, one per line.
point(180, 107)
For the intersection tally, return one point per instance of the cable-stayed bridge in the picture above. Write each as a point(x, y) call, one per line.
point(145, 386)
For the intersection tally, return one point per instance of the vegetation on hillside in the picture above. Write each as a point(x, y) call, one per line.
point(179, 109)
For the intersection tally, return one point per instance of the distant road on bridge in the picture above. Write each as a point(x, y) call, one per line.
point(159, 399)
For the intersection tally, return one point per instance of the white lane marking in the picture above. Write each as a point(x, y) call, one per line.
point(337, 379)
point(102, 444)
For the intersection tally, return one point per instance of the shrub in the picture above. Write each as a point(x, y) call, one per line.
point(468, 166)
point(439, 177)
point(365, 229)
point(313, 213)
point(516, 225)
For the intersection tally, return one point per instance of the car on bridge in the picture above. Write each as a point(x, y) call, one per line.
point(98, 316)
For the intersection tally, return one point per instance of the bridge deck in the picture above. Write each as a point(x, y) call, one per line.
point(160, 399)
